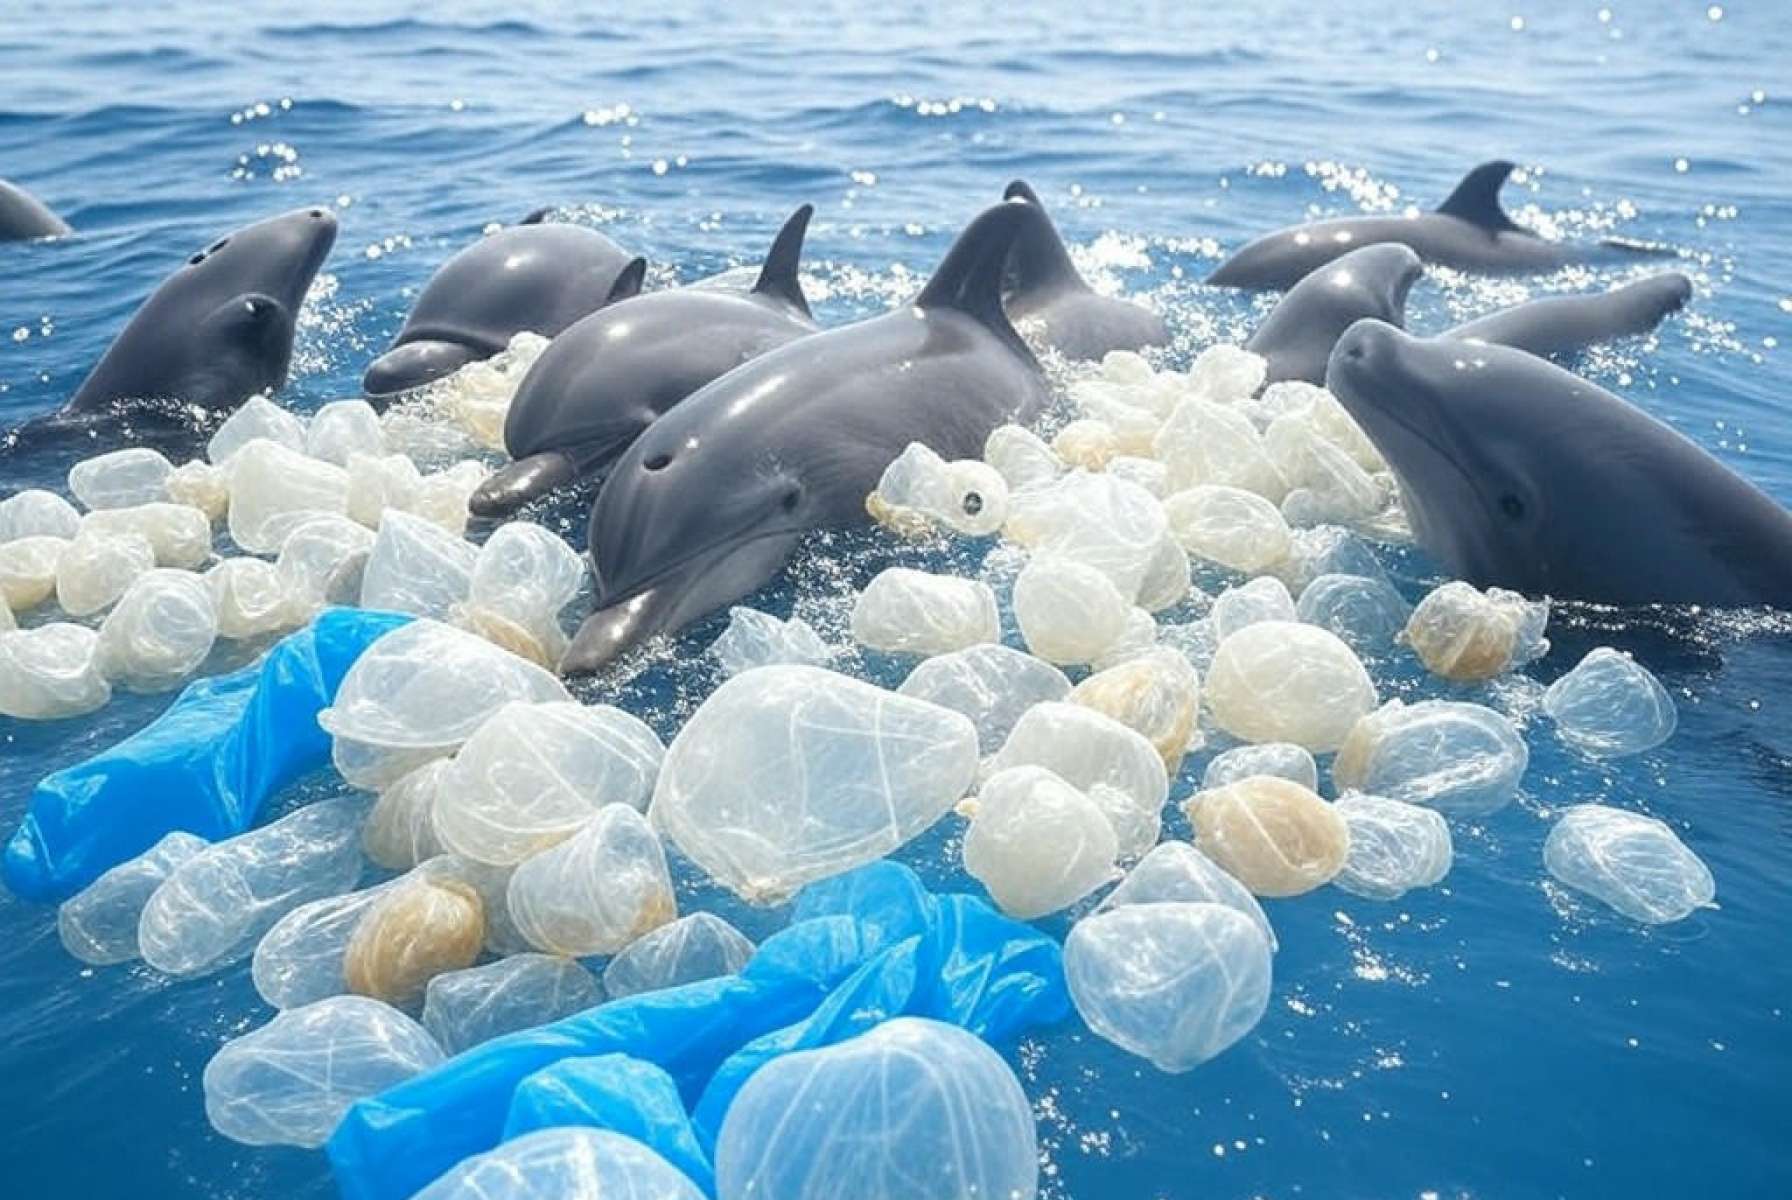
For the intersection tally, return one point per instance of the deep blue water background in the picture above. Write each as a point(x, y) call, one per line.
point(1492, 1037)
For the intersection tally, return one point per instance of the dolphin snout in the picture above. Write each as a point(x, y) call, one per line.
point(1360, 348)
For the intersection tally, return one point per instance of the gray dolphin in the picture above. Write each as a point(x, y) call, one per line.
point(1045, 288)
point(1469, 231)
point(1517, 473)
point(1298, 335)
point(535, 276)
point(220, 328)
point(710, 502)
point(612, 374)
point(23, 216)
point(1563, 326)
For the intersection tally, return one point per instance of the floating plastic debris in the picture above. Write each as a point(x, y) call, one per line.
point(401, 830)
point(35, 512)
point(1175, 983)
point(1464, 634)
point(289, 1082)
point(1368, 614)
point(1280, 681)
point(215, 906)
point(521, 579)
point(342, 429)
point(1037, 843)
point(464, 1008)
point(1634, 863)
point(1208, 444)
point(201, 485)
point(98, 924)
point(1115, 766)
point(425, 926)
point(789, 774)
point(1177, 872)
point(1021, 457)
point(1264, 598)
point(597, 891)
point(378, 484)
point(1099, 521)
point(1277, 837)
point(28, 568)
point(1610, 705)
point(565, 1163)
point(51, 672)
point(1394, 847)
point(257, 418)
point(532, 775)
point(919, 488)
point(807, 1121)
point(1157, 694)
point(121, 479)
point(903, 611)
point(250, 598)
point(1068, 612)
point(694, 947)
point(96, 568)
point(756, 639)
point(182, 536)
point(419, 692)
point(1229, 526)
point(1086, 445)
point(322, 560)
point(417, 567)
point(992, 685)
point(1282, 759)
point(159, 632)
point(1461, 759)
point(273, 489)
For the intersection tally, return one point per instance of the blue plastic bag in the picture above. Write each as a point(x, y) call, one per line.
point(615, 1092)
point(873, 938)
point(206, 765)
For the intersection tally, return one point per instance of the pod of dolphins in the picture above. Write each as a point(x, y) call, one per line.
point(726, 424)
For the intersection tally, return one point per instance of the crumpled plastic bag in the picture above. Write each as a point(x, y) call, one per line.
point(205, 765)
point(862, 946)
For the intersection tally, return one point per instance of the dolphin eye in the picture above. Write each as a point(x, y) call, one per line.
point(1512, 506)
point(658, 462)
point(791, 499)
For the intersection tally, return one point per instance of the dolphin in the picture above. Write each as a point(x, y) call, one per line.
point(220, 328)
point(1469, 231)
point(1518, 474)
point(711, 501)
point(23, 216)
point(1298, 335)
point(1560, 327)
point(612, 374)
point(1045, 291)
point(535, 276)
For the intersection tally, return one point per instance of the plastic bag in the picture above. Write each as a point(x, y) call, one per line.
point(205, 765)
point(862, 946)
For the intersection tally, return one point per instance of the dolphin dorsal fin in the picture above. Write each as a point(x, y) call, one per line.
point(1020, 189)
point(1039, 258)
point(969, 278)
point(628, 280)
point(1477, 198)
point(778, 277)
point(538, 217)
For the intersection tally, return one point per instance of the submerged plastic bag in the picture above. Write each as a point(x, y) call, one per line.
point(862, 947)
point(222, 748)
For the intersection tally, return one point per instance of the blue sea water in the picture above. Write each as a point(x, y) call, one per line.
point(1494, 1037)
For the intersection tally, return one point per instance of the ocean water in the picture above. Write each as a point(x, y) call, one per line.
point(1493, 1037)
